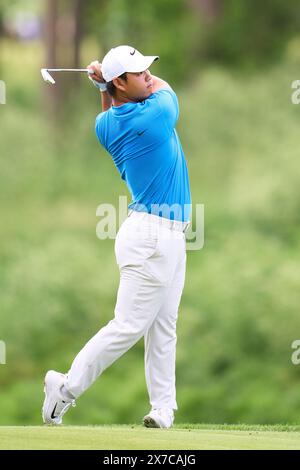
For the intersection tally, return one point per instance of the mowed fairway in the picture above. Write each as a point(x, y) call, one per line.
point(137, 437)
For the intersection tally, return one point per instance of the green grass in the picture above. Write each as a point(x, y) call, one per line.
point(136, 437)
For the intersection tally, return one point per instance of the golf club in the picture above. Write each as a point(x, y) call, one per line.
point(49, 79)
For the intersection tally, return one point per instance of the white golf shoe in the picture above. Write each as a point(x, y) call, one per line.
point(159, 418)
point(55, 403)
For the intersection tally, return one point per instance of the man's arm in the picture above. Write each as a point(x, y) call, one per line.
point(159, 84)
point(106, 100)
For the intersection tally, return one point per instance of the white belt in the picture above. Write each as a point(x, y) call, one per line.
point(171, 224)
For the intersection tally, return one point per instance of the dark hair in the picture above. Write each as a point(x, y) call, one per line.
point(111, 87)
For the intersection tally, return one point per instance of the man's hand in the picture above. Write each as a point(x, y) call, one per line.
point(95, 75)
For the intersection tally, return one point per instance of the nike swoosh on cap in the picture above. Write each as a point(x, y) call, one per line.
point(132, 53)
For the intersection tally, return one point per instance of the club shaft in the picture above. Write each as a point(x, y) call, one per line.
point(67, 70)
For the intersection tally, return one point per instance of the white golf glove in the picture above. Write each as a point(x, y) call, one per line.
point(100, 85)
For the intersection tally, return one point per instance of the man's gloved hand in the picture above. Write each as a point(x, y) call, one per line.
point(95, 75)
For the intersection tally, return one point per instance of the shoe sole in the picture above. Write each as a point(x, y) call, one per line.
point(150, 423)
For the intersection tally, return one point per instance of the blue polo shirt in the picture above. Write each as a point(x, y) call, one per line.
point(145, 147)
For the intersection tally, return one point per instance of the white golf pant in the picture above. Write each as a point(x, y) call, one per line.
point(150, 252)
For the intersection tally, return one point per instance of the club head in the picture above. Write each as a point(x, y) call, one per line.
point(47, 77)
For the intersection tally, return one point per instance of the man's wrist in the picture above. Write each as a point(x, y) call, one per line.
point(102, 86)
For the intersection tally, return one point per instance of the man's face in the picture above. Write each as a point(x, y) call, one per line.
point(138, 86)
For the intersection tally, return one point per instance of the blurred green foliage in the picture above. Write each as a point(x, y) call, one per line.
point(241, 33)
point(251, 33)
point(240, 308)
point(169, 27)
point(246, 33)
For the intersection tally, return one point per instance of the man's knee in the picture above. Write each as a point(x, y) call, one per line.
point(133, 329)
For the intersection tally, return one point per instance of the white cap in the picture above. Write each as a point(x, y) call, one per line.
point(123, 59)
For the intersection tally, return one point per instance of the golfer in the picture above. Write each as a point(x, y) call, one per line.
point(137, 128)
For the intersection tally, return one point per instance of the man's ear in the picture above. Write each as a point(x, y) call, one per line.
point(119, 84)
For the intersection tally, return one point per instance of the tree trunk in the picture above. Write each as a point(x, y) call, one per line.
point(207, 9)
point(78, 31)
point(52, 92)
point(1, 23)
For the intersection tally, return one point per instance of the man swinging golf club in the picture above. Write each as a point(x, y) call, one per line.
point(137, 128)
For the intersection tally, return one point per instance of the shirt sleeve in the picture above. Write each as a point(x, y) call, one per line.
point(164, 102)
point(99, 128)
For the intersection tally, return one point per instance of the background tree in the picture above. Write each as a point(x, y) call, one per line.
point(209, 9)
point(51, 45)
point(78, 30)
